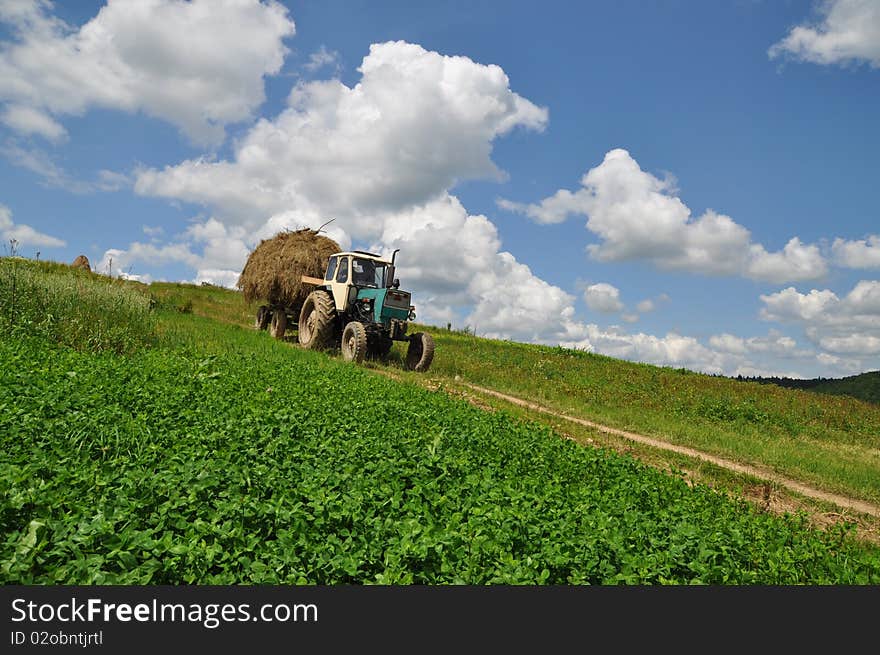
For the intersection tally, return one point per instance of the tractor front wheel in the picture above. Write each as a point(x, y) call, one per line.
point(279, 324)
point(316, 321)
point(420, 353)
point(354, 342)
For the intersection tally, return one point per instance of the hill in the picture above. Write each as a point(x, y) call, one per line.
point(865, 386)
point(830, 442)
point(207, 452)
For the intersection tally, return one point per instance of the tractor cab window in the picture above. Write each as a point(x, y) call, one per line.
point(368, 273)
point(331, 269)
point(342, 274)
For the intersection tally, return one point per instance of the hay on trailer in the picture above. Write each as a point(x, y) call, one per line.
point(274, 269)
point(82, 262)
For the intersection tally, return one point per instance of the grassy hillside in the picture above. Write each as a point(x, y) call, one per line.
point(831, 442)
point(865, 386)
point(211, 453)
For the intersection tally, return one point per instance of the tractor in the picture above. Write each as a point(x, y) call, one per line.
point(359, 307)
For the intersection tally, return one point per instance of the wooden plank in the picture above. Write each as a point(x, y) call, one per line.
point(312, 280)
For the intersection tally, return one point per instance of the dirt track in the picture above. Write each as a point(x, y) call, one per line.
point(794, 485)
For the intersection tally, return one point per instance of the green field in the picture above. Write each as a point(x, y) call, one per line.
point(207, 452)
point(831, 442)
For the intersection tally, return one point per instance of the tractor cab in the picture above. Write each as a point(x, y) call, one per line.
point(363, 285)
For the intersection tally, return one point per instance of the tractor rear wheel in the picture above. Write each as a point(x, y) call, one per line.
point(420, 353)
point(316, 320)
point(354, 342)
point(279, 324)
point(264, 315)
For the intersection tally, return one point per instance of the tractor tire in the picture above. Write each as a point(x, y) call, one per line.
point(420, 353)
point(316, 321)
point(264, 315)
point(279, 324)
point(354, 342)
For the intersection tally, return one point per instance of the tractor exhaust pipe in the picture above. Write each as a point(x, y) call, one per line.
point(390, 281)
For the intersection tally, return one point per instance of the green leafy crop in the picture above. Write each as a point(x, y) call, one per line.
point(232, 458)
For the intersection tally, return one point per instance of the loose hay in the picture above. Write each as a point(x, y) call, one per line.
point(274, 269)
point(82, 262)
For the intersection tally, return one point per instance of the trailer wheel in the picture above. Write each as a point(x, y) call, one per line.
point(420, 353)
point(354, 342)
point(316, 320)
point(279, 323)
point(264, 315)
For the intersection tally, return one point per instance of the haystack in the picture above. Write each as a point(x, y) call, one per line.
point(274, 269)
point(82, 262)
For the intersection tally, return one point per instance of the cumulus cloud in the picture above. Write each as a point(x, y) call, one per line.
point(774, 343)
point(24, 235)
point(672, 350)
point(863, 253)
point(603, 298)
point(846, 31)
point(848, 325)
point(637, 217)
point(198, 65)
point(216, 252)
point(360, 150)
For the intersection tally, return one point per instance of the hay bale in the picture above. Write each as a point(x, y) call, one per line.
point(274, 269)
point(82, 262)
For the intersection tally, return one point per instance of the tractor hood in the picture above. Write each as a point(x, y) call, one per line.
point(388, 303)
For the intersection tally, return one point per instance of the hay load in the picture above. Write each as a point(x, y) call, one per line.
point(82, 262)
point(274, 269)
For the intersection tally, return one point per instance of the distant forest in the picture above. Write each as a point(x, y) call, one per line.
point(865, 386)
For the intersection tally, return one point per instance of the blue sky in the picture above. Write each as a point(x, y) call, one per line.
point(683, 183)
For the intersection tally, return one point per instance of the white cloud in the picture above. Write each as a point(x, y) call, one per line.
point(216, 252)
point(24, 235)
point(27, 120)
point(794, 262)
point(847, 31)
point(116, 261)
point(672, 350)
point(862, 344)
point(637, 217)
point(849, 325)
point(357, 151)
point(774, 343)
point(864, 253)
point(843, 365)
point(646, 306)
point(217, 277)
point(603, 298)
point(198, 65)
point(322, 58)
